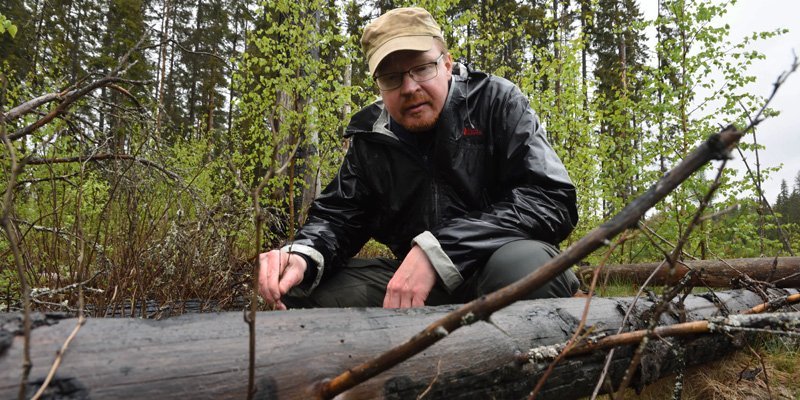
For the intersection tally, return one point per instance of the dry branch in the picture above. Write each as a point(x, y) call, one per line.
point(670, 293)
point(789, 322)
point(68, 97)
point(783, 272)
point(15, 168)
point(59, 358)
point(103, 157)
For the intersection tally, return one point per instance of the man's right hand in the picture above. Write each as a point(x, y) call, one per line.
point(279, 271)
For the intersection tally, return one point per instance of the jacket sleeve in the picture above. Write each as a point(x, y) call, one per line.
point(336, 227)
point(534, 197)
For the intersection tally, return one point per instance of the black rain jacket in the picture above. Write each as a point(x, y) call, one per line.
point(493, 178)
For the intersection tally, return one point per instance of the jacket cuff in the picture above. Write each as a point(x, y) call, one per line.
point(439, 259)
point(304, 290)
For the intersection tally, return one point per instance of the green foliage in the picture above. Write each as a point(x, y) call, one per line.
point(556, 90)
point(7, 26)
point(292, 96)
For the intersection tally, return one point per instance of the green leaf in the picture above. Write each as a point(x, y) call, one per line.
point(12, 30)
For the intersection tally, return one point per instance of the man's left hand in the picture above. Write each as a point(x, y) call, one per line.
point(412, 282)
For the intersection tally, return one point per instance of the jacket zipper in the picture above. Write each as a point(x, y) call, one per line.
point(425, 163)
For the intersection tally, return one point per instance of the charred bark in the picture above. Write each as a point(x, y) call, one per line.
point(205, 355)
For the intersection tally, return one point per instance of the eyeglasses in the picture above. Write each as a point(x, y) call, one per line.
point(420, 73)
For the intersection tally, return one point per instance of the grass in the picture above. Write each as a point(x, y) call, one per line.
point(740, 375)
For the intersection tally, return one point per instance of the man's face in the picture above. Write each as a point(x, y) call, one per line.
point(416, 105)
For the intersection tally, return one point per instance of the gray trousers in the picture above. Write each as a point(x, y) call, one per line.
point(362, 282)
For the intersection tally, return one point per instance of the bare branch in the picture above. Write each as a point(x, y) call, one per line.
point(668, 295)
point(78, 285)
point(68, 97)
point(756, 119)
point(30, 106)
point(59, 358)
point(259, 219)
point(127, 94)
point(13, 240)
point(578, 330)
point(103, 157)
point(65, 178)
point(67, 100)
point(781, 322)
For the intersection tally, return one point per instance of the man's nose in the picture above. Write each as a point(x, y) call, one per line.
point(409, 85)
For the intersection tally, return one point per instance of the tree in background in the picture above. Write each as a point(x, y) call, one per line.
point(293, 93)
point(684, 103)
point(788, 204)
point(616, 38)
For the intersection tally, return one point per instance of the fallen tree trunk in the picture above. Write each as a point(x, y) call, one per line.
point(783, 273)
point(205, 355)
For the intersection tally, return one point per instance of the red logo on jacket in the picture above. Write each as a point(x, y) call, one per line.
point(472, 132)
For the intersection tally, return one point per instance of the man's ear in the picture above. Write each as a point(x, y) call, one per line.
point(448, 65)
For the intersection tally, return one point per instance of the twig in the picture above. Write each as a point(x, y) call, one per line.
point(60, 353)
point(258, 218)
point(717, 146)
point(68, 97)
point(103, 157)
point(785, 278)
point(663, 239)
point(755, 120)
point(573, 340)
point(630, 308)
point(785, 322)
point(64, 178)
point(763, 199)
point(758, 181)
point(610, 356)
point(774, 304)
point(765, 202)
point(59, 357)
point(51, 292)
point(660, 307)
point(628, 312)
point(763, 368)
point(680, 355)
point(127, 94)
point(430, 385)
point(13, 240)
point(719, 213)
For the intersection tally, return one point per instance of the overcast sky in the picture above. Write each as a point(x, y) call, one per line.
point(781, 134)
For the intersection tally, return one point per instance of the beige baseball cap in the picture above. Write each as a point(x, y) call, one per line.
point(410, 28)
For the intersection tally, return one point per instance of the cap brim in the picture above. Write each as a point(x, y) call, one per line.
point(415, 43)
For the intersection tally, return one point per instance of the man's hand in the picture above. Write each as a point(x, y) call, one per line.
point(412, 282)
point(279, 271)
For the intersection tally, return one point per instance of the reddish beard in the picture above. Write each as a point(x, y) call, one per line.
point(423, 122)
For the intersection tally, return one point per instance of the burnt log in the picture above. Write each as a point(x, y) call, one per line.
point(206, 355)
point(782, 272)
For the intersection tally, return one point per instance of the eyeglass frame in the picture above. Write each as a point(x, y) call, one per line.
point(408, 71)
